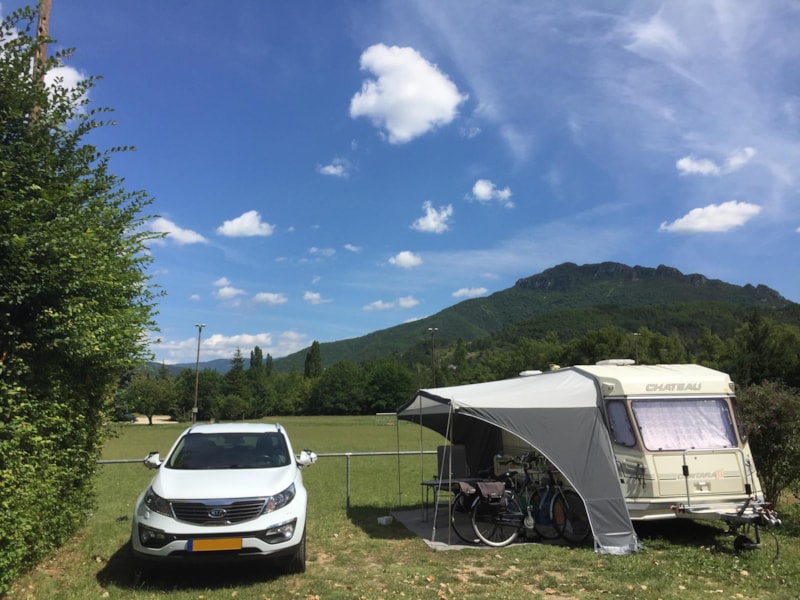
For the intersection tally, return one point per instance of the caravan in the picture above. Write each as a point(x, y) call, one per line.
point(679, 444)
point(636, 442)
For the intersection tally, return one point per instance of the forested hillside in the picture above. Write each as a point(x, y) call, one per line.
point(570, 300)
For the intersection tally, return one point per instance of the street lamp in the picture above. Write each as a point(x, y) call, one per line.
point(197, 371)
point(636, 347)
point(433, 331)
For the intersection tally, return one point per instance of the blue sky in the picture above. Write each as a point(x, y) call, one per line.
point(327, 169)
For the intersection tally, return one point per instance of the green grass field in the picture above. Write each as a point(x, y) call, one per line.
point(351, 556)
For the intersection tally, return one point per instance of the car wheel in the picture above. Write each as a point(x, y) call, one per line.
point(296, 563)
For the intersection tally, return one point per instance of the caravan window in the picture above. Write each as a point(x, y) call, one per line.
point(682, 424)
point(620, 424)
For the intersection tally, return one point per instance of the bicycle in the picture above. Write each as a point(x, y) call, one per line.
point(519, 504)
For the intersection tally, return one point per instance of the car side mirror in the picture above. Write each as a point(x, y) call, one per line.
point(305, 458)
point(152, 460)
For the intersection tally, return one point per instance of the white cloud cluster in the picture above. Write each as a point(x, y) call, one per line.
point(270, 298)
point(714, 218)
point(434, 221)
point(315, 298)
point(690, 165)
point(326, 252)
point(352, 248)
point(232, 296)
point(408, 97)
point(486, 191)
point(174, 233)
point(405, 260)
point(470, 292)
point(338, 167)
point(248, 224)
point(401, 303)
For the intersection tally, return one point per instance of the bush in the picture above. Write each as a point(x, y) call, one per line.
point(74, 300)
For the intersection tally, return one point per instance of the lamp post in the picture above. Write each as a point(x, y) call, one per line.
point(433, 331)
point(197, 371)
point(636, 347)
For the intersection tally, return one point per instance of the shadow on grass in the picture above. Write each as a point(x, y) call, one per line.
point(366, 518)
point(685, 532)
point(120, 571)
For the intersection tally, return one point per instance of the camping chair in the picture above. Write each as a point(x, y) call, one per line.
point(452, 462)
point(451, 468)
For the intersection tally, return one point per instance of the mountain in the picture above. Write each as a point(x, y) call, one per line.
point(569, 299)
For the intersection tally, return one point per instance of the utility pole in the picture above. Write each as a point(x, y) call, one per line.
point(433, 331)
point(43, 31)
point(197, 371)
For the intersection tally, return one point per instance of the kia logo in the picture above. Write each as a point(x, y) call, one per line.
point(217, 513)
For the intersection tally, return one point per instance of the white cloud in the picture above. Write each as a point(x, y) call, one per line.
point(194, 298)
point(228, 292)
point(70, 77)
point(406, 260)
point(486, 191)
point(315, 298)
point(224, 346)
point(222, 281)
point(270, 298)
point(434, 221)
point(469, 292)
point(379, 305)
point(407, 302)
point(401, 303)
point(322, 251)
point(713, 218)
point(739, 159)
point(352, 248)
point(174, 233)
point(249, 224)
point(690, 165)
point(339, 167)
point(409, 95)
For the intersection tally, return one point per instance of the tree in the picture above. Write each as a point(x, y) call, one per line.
point(75, 301)
point(149, 394)
point(763, 350)
point(313, 364)
point(389, 385)
point(236, 386)
point(771, 415)
point(339, 391)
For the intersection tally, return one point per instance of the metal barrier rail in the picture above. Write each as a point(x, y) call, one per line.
point(346, 455)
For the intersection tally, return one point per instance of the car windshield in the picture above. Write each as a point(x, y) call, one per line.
point(230, 451)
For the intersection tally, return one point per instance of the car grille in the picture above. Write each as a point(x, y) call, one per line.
point(218, 512)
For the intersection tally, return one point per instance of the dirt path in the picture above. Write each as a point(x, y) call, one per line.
point(157, 420)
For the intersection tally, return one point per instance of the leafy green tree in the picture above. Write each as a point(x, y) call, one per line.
point(236, 384)
point(761, 350)
point(149, 394)
point(75, 300)
point(261, 392)
point(209, 390)
point(340, 390)
point(389, 385)
point(313, 364)
point(771, 415)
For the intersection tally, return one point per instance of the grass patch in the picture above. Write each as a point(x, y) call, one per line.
point(351, 556)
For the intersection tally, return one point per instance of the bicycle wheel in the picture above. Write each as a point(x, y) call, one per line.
point(550, 515)
point(576, 525)
point(461, 518)
point(497, 525)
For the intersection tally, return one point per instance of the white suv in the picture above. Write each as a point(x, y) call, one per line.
point(224, 492)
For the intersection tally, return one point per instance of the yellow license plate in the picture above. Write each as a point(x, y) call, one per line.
point(215, 544)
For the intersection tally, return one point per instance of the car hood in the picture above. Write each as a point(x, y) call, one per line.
point(181, 484)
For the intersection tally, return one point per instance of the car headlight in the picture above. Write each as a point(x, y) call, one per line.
point(156, 503)
point(279, 500)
